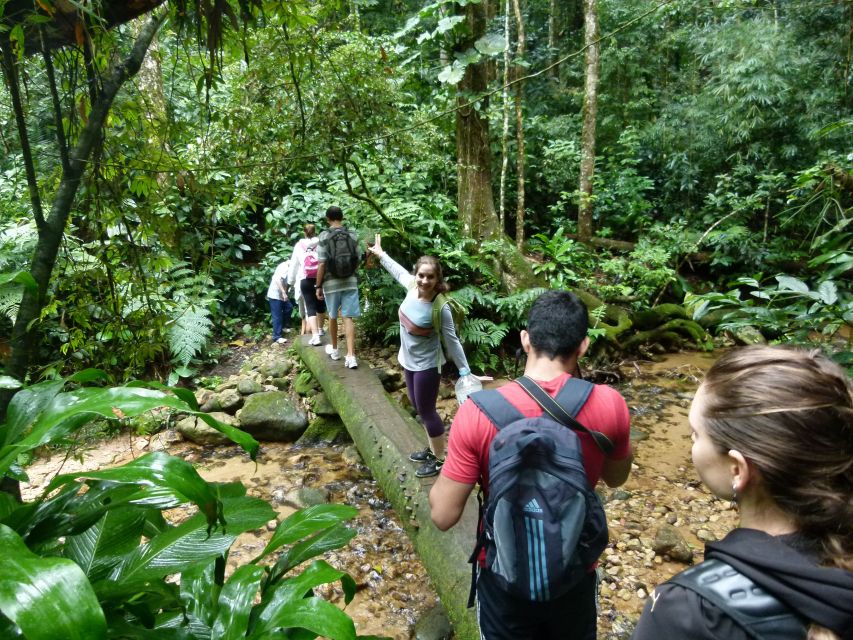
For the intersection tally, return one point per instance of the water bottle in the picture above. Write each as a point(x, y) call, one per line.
point(466, 385)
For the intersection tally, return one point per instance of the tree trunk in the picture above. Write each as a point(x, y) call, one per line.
point(553, 28)
point(519, 125)
point(590, 108)
point(505, 113)
point(475, 200)
point(50, 234)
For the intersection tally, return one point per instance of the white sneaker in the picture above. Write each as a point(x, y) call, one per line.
point(315, 341)
point(281, 340)
point(332, 352)
point(350, 362)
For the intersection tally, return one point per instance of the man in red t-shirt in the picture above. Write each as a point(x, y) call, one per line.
point(554, 341)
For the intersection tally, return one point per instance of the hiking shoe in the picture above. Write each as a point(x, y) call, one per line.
point(332, 352)
point(281, 341)
point(350, 362)
point(315, 341)
point(422, 455)
point(429, 468)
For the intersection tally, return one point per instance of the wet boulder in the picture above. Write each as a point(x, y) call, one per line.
point(277, 368)
point(669, 541)
point(322, 406)
point(272, 416)
point(230, 400)
point(325, 429)
point(433, 625)
point(247, 387)
point(196, 430)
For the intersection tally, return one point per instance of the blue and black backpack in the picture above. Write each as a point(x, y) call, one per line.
point(541, 525)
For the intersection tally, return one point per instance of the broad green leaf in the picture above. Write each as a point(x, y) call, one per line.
point(179, 548)
point(290, 593)
point(200, 590)
point(315, 615)
point(101, 547)
point(8, 382)
point(19, 277)
point(490, 44)
point(24, 409)
point(446, 24)
point(452, 74)
point(828, 292)
point(306, 522)
point(327, 540)
point(167, 476)
point(790, 283)
point(235, 603)
point(47, 598)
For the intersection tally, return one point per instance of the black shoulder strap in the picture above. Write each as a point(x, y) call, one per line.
point(758, 613)
point(498, 409)
point(568, 403)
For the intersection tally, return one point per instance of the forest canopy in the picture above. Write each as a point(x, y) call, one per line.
point(159, 158)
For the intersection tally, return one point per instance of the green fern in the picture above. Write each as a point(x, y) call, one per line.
point(189, 333)
point(10, 300)
point(479, 331)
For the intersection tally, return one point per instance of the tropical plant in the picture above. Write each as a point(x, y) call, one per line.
point(94, 557)
point(787, 311)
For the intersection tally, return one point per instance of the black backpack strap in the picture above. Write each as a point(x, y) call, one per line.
point(498, 409)
point(481, 543)
point(570, 399)
point(760, 614)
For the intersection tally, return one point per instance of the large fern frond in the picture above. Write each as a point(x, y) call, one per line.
point(10, 300)
point(189, 332)
point(479, 331)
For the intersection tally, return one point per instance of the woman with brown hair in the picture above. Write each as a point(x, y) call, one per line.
point(421, 355)
point(772, 430)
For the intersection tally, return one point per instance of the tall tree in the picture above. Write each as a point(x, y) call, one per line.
point(475, 200)
point(519, 123)
point(590, 110)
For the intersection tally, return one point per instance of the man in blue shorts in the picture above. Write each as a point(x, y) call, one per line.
point(339, 254)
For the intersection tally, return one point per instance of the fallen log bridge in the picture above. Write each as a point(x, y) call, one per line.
point(385, 435)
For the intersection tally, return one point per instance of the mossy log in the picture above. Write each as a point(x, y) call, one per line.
point(673, 333)
point(384, 435)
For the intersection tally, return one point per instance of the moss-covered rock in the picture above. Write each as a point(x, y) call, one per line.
point(325, 429)
point(321, 405)
point(272, 416)
point(305, 384)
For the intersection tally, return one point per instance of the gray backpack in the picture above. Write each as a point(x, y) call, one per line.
point(542, 526)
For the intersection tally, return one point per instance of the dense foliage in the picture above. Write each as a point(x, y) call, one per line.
point(724, 137)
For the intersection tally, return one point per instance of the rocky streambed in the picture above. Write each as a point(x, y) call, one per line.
point(659, 520)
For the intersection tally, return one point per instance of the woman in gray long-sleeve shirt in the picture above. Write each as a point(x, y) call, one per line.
point(421, 354)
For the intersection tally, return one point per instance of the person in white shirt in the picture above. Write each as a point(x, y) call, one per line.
point(280, 305)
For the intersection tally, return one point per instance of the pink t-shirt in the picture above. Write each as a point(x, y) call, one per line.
point(472, 432)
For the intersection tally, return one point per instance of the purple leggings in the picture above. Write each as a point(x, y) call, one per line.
point(422, 387)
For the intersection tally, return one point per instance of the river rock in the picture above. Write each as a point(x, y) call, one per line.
point(247, 387)
point(196, 430)
point(390, 378)
point(325, 429)
point(321, 405)
point(272, 415)
point(280, 383)
point(305, 384)
point(210, 404)
point(433, 625)
point(230, 400)
point(747, 335)
point(277, 368)
point(669, 541)
point(309, 496)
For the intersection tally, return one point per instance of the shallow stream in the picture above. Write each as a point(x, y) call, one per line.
point(394, 589)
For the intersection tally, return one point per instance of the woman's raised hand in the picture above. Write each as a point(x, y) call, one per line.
point(376, 247)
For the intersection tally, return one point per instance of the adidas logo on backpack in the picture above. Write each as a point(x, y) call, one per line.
point(542, 526)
